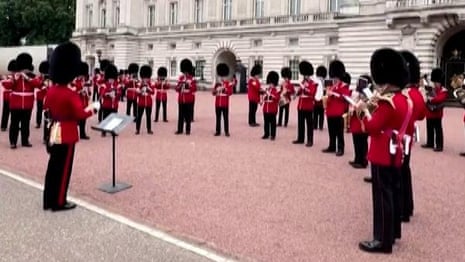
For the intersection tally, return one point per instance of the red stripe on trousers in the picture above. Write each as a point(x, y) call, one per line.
point(65, 177)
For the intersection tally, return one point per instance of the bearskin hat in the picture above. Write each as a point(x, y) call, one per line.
point(413, 66)
point(65, 63)
point(145, 71)
point(126, 71)
point(84, 69)
point(389, 67)
point(103, 64)
point(121, 72)
point(193, 71)
point(96, 70)
point(162, 72)
point(44, 67)
point(337, 69)
point(286, 72)
point(24, 62)
point(437, 76)
point(272, 78)
point(133, 69)
point(12, 66)
point(306, 68)
point(222, 70)
point(321, 71)
point(111, 72)
point(256, 70)
point(347, 78)
point(186, 66)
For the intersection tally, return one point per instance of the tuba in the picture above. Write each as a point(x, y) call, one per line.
point(459, 88)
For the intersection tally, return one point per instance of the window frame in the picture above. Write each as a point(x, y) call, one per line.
point(257, 4)
point(293, 64)
point(103, 18)
point(295, 7)
point(173, 67)
point(173, 13)
point(198, 11)
point(151, 15)
point(227, 10)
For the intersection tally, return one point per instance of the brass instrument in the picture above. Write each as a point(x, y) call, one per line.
point(428, 92)
point(459, 88)
point(283, 99)
point(265, 94)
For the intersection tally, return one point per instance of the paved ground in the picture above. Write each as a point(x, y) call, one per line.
point(261, 200)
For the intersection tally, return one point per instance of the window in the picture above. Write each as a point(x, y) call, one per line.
point(150, 62)
point(198, 11)
point(199, 67)
point(257, 43)
point(335, 5)
point(151, 16)
point(293, 41)
point(103, 18)
point(259, 8)
point(227, 10)
point(333, 40)
point(89, 13)
point(294, 66)
point(172, 46)
point(173, 13)
point(294, 7)
point(150, 47)
point(173, 67)
point(197, 45)
point(117, 16)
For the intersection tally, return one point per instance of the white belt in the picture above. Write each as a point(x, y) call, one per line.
point(161, 91)
point(304, 96)
point(222, 95)
point(22, 93)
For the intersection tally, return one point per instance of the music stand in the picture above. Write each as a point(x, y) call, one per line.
point(113, 124)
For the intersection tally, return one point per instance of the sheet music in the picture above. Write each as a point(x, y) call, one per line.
point(114, 122)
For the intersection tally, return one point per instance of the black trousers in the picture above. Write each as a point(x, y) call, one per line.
point(40, 106)
point(46, 128)
point(148, 116)
point(20, 117)
point(131, 104)
point(336, 133)
point(82, 128)
point(269, 126)
point(406, 188)
point(60, 165)
point(225, 112)
point(360, 148)
point(95, 95)
point(283, 110)
point(318, 117)
point(185, 116)
point(386, 204)
point(193, 110)
point(305, 117)
point(252, 112)
point(157, 110)
point(434, 133)
point(5, 115)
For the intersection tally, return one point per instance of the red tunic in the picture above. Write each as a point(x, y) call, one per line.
point(131, 88)
point(22, 91)
point(144, 97)
point(419, 109)
point(83, 90)
point(253, 90)
point(271, 102)
point(441, 96)
point(110, 95)
point(356, 125)
point(186, 95)
point(307, 95)
point(65, 107)
point(222, 98)
point(336, 105)
point(289, 87)
point(40, 94)
point(6, 92)
point(162, 87)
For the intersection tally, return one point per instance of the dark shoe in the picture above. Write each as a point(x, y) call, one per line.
point(178, 133)
point(47, 208)
point(352, 163)
point(254, 125)
point(217, 134)
point(279, 125)
point(339, 153)
point(427, 146)
point(374, 246)
point(137, 132)
point(150, 132)
point(297, 142)
point(37, 126)
point(273, 138)
point(438, 150)
point(265, 137)
point(358, 166)
point(309, 144)
point(26, 145)
point(368, 179)
point(3, 129)
point(166, 121)
point(405, 219)
point(188, 133)
point(227, 134)
point(67, 206)
point(155, 121)
point(328, 150)
point(13, 146)
point(462, 154)
point(85, 137)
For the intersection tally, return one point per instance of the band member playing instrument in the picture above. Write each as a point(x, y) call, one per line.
point(386, 126)
point(40, 94)
point(336, 107)
point(306, 94)
point(347, 79)
point(145, 91)
point(222, 91)
point(459, 93)
point(436, 97)
point(253, 93)
point(6, 96)
point(65, 110)
point(193, 95)
point(234, 83)
point(131, 88)
point(101, 85)
point(82, 87)
point(97, 80)
point(162, 85)
point(270, 105)
point(186, 87)
point(319, 111)
point(110, 92)
point(286, 92)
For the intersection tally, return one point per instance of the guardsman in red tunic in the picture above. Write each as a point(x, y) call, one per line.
point(6, 96)
point(162, 85)
point(193, 95)
point(319, 111)
point(82, 87)
point(97, 80)
point(270, 105)
point(222, 91)
point(286, 92)
point(234, 83)
point(306, 104)
point(336, 108)
point(186, 88)
point(131, 87)
point(65, 109)
point(348, 80)
point(253, 92)
point(145, 91)
point(22, 88)
point(386, 126)
point(110, 92)
point(42, 90)
point(436, 96)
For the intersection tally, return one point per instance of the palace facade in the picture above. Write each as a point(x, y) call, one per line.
point(274, 33)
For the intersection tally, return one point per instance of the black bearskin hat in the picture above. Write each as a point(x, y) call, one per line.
point(44, 67)
point(389, 67)
point(337, 69)
point(121, 72)
point(84, 69)
point(145, 71)
point(12, 66)
point(133, 69)
point(256, 70)
point(222, 70)
point(272, 78)
point(111, 72)
point(104, 63)
point(347, 78)
point(186, 66)
point(286, 72)
point(162, 72)
point(306, 68)
point(24, 62)
point(65, 63)
point(193, 71)
point(96, 70)
point(126, 71)
point(437, 76)
point(413, 66)
point(321, 71)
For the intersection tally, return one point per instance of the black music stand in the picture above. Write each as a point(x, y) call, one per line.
point(114, 124)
